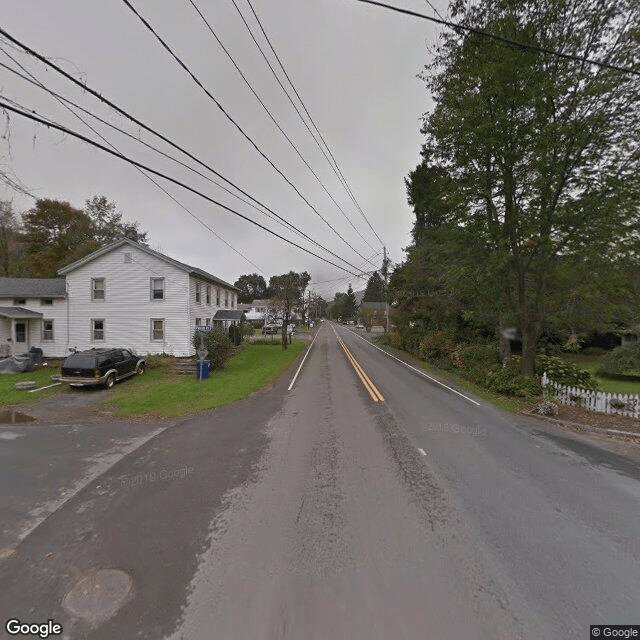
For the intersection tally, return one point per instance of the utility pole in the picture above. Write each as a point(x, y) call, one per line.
point(385, 271)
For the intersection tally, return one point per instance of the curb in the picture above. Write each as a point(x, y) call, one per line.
point(584, 427)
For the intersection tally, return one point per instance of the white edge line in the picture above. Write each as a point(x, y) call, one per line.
point(422, 452)
point(303, 359)
point(422, 373)
point(47, 387)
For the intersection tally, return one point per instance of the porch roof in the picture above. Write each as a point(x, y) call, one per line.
point(18, 313)
point(229, 314)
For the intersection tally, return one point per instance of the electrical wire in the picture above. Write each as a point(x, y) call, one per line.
point(49, 123)
point(275, 122)
point(502, 39)
point(236, 125)
point(336, 169)
point(159, 135)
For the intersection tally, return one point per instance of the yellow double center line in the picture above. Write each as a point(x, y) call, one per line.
point(376, 396)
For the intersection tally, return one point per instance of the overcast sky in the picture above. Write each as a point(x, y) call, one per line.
point(354, 65)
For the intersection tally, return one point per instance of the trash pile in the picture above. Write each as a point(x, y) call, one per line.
point(22, 363)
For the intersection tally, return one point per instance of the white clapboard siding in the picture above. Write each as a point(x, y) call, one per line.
point(57, 348)
point(128, 308)
point(593, 400)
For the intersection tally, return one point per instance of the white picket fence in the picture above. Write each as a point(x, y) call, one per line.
point(625, 404)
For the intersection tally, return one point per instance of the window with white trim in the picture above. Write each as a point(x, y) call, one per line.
point(208, 294)
point(98, 287)
point(48, 302)
point(157, 329)
point(97, 330)
point(157, 288)
point(198, 322)
point(127, 258)
point(198, 293)
point(19, 301)
point(47, 330)
point(217, 297)
point(226, 299)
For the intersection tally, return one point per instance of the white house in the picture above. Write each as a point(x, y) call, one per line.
point(33, 313)
point(122, 295)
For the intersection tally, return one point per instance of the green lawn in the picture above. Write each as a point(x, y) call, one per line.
point(42, 376)
point(162, 393)
point(615, 385)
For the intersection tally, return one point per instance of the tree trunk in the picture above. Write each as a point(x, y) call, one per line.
point(531, 331)
point(285, 334)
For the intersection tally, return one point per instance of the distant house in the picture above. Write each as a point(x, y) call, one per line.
point(378, 311)
point(125, 295)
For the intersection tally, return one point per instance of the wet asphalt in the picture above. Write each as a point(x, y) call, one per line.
point(319, 513)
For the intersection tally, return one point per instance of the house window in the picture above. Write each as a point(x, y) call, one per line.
point(46, 301)
point(157, 288)
point(47, 330)
point(208, 294)
point(97, 330)
point(233, 300)
point(197, 292)
point(127, 258)
point(226, 299)
point(198, 322)
point(217, 297)
point(157, 329)
point(97, 288)
point(19, 301)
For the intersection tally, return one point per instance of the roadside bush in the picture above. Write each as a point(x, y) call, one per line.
point(218, 346)
point(548, 408)
point(235, 335)
point(437, 346)
point(393, 339)
point(564, 372)
point(621, 361)
point(593, 351)
point(267, 342)
point(474, 360)
point(511, 382)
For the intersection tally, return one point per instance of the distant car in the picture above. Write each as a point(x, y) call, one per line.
point(100, 367)
point(359, 325)
point(269, 328)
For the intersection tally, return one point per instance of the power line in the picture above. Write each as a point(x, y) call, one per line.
point(147, 176)
point(162, 137)
point(58, 127)
point(337, 169)
point(139, 140)
point(493, 36)
point(275, 122)
point(237, 126)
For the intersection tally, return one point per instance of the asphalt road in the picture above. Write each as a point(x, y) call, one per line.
point(318, 512)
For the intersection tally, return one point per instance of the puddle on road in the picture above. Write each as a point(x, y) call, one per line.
point(14, 417)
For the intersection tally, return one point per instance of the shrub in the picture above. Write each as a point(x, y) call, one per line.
point(436, 345)
point(621, 361)
point(594, 351)
point(512, 383)
point(548, 408)
point(474, 360)
point(218, 346)
point(235, 335)
point(564, 372)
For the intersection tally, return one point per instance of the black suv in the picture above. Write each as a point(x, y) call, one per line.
point(100, 366)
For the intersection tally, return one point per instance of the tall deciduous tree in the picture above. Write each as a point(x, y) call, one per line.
point(108, 225)
point(55, 234)
point(287, 294)
point(252, 287)
point(11, 263)
point(543, 151)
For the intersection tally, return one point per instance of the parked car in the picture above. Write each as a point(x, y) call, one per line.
point(269, 328)
point(100, 367)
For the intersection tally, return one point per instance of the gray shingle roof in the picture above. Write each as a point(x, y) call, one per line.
point(177, 263)
point(229, 314)
point(32, 288)
point(18, 312)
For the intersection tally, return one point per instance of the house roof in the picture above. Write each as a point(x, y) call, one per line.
point(374, 306)
point(229, 314)
point(126, 241)
point(18, 313)
point(32, 288)
point(244, 307)
point(261, 303)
